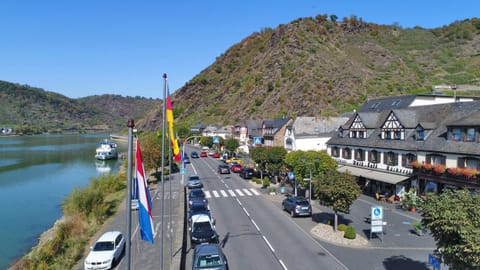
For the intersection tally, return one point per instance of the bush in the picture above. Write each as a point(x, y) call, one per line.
point(266, 182)
point(342, 227)
point(350, 233)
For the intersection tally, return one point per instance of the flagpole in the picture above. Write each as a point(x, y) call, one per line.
point(170, 229)
point(130, 125)
point(163, 165)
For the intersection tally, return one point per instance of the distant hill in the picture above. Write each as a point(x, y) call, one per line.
point(321, 67)
point(34, 109)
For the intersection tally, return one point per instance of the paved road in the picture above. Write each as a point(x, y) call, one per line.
point(254, 233)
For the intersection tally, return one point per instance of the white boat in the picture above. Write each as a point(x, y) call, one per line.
point(106, 150)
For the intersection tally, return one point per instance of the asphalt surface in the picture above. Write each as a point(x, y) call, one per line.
point(256, 234)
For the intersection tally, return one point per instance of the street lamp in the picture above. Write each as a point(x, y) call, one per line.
point(304, 160)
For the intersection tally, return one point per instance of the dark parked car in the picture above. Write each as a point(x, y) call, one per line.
point(194, 181)
point(223, 168)
point(297, 206)
point(202, 230)
point(247, 173)
point(209, 256)
point(198, 207)
point(195, 195)
point(194, 155)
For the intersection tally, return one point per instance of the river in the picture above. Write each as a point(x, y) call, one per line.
point(36, 174)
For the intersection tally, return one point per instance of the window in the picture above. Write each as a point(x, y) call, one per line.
point(397, 135)
point(390, 158)
point(359, 154)
point(436, 159)
point(347, 153)
point(457, 134)
point(373, 156)
point(407, 159)
point(470, 136)
point(335, 152)
point(420, 134)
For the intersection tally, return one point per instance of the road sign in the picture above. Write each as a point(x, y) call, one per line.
point(291, 175)
point(432, 260)
point(216, 140)
point(377, 213)
point(182, 171)
point(257, 140)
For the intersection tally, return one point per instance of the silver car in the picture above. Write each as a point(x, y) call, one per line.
point(209, 256)
point(297, 206)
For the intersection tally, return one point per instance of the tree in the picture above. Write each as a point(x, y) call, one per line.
point(231, 145)
point(338, 191)
point(320, 160)
point(453, 217)
point(206, 141)
point(151, 145)
point(269, 159)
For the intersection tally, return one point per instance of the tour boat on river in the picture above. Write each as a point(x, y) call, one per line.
point(106, 150)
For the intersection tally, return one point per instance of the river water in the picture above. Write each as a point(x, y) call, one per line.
point(36, 174)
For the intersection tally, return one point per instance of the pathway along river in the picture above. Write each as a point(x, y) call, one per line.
point(36, 174)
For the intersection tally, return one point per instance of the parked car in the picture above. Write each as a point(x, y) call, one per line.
point(223, 169)
point(203, 154)
point(198, 207)
point(297, 206)
point(196, 194)
point(106, 252)
point(194, 155)
point(236, 168)
point(202, 230)
point(216, 155)
point(186, 159)
point(247, 173)
point(209, 256)
point(233, 159)
point(194, 181)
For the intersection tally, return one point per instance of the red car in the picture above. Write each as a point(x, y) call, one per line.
point(216, 155)
point(236, 168)
point(203, 154)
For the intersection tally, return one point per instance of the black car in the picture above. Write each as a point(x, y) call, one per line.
point(202, 230)
point(195, 195)
point(194, 155)
point(247, 173)
point(198, 207)
point(209, 256)
point(297, 206)
point(223, 168)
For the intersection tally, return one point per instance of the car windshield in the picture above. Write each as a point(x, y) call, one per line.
point(103, 246)
point(194, 177)
point(207, 261)
point(302, 202)
point(202, 227)
point(198, 207)
point(197, 194)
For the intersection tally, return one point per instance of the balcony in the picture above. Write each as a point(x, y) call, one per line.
point(461, 177)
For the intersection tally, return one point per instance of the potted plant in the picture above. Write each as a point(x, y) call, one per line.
point(470, 173)
point(439, 168)
point(427, 166)
point(455, 171)
point(410, 200)
point(416, 164)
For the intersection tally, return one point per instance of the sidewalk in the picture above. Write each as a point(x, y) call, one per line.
point(398, 233)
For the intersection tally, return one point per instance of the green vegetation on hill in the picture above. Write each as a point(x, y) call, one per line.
point(320, 67)
point(33, 110)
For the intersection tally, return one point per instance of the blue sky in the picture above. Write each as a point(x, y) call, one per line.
point(93, 47)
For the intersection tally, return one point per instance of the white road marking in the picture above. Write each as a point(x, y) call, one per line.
point(215, 193)
point(224, 193)
point(207, 194)
point(239, 192)
point(247, 192)
point(232, 193)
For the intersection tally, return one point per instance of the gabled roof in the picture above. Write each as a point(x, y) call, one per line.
point(306, 125)
point(436, 118)
point(387, 103)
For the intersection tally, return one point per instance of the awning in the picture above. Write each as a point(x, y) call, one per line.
point(375, 175)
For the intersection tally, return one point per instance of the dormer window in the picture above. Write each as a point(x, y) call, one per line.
point(357, 129)
point(392, 129)
point(420, 133)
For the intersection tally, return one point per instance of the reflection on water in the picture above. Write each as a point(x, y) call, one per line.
point(36, 173)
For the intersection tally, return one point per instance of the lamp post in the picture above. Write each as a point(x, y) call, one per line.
point(304, 160)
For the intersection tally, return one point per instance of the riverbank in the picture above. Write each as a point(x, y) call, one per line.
point(85, 210)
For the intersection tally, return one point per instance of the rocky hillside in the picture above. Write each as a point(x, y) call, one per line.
point(318, 66)
point(36, 110)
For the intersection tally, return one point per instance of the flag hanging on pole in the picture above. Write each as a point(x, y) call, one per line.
point(171, 134)
point(144, 201)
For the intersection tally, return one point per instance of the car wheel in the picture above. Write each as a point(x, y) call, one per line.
point(292, 213)
point(283, 207)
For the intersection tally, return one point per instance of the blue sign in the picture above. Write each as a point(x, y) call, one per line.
point(432, 260)
point(376, 213)
point(257, 140)
point(291, 175)
point(182, 171)
point(216, 140)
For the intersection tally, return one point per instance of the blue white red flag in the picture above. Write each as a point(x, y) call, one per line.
point(144, 201)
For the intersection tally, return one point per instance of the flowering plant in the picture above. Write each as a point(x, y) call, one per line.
point(455, 171)
point(439, 168)
point(427, 166)
point(470, 172)
point(416, 164)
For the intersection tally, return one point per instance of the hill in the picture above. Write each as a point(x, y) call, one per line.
point(321, 67)
point(36, 110)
